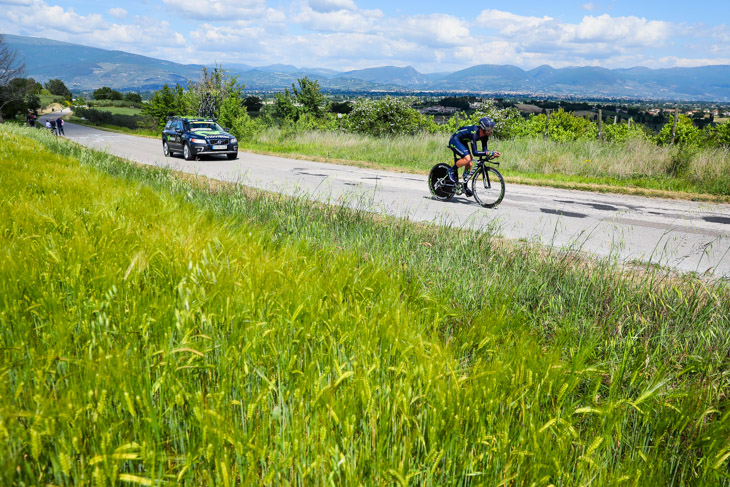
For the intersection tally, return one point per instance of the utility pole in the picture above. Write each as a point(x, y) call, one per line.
point(600, 124)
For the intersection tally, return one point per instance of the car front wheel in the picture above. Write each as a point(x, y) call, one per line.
point(187, 153)
point(166, 149)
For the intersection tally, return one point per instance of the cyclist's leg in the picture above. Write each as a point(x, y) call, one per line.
point(462, 156)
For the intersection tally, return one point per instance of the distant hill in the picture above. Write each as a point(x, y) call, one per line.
point(405, 77)
point(85, 68)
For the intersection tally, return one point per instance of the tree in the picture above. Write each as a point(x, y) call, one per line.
point(461, 102)
point(284, 106)
point(343, 107)
point(106, 93)
point(34, 87)
point(10, 68)
point(309, 96)
point(253, 103)
point(133, 97)
point(57, 87)
point(163, 104)
point(24, 101)
point(384, 118)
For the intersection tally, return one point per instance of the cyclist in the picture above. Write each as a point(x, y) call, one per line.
point(458, 144)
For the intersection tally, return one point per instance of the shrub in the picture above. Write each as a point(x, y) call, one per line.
point(621, 132)
point(721, 135)
point(245, 127)
point(101, 117)
point(384, 117)
point(686, 135)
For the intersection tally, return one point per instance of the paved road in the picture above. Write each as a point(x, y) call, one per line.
point(687, 236)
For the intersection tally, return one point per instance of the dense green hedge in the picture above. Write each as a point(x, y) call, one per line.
point(102, 117)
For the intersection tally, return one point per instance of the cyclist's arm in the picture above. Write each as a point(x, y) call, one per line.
point(485, 151)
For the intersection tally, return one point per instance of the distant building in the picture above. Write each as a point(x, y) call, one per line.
point(439, 110)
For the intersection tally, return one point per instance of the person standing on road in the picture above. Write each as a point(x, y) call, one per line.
point(470, 134)
point(53, 126)
point(59, 126)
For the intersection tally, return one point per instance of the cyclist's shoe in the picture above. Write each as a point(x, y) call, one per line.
point(466, 175)
point(453, 175)
point(467, 191)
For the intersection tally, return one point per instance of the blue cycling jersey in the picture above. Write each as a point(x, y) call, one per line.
point(468, 134)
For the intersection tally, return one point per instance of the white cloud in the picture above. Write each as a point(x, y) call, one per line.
point(145, 36)
point(217, 9)
point(601, 40)
point(508, 22)
point(691, 63)
point(624, 31)
point(337, 20)
point(119, 13)
point(332, 5)
point(55, 18)
point(238, 36)
point(435, 30)
point(590, 6)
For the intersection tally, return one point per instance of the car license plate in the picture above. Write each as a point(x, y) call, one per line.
point(220, 146)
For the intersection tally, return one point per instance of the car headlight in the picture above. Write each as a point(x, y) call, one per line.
point(234, 140)
point(198, 141)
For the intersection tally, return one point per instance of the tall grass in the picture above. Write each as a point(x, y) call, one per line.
point(158, 330)
point(634, 164)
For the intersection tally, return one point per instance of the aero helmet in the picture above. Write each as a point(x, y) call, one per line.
point(486, 123)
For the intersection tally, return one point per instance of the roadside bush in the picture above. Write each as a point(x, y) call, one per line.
point(101, 117)
point(621, 132)
point(245, 127)
point(384, 117)
point(564, 127)
point(720, 135)
point(327, 122)
point(113, 103)
point(687, 133)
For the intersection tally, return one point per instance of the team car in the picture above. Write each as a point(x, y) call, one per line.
point(195, 137)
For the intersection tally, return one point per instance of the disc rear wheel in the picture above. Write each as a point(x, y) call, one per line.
point(488, 187)
point(439, 183)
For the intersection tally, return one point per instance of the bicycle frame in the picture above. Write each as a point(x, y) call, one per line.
point(478, 168)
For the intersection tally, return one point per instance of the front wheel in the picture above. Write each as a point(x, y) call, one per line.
point(166, 149)
point(231, 156)
point(187, 153)
point(488, 187)
point(439, 183)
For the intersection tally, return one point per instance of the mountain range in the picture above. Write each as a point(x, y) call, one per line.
point(85, 68)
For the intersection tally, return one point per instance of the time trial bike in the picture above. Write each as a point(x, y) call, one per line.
point(487, 184)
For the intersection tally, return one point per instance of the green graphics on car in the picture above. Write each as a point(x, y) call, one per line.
point(196, 137)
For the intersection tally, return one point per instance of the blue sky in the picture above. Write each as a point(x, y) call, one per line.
point(431, 36)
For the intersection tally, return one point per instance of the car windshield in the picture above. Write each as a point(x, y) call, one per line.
point(196, 126)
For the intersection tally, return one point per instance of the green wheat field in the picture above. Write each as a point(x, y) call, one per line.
point(163, 330)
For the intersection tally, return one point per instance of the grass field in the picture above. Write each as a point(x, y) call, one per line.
point(157, 329)
point(120, 110)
